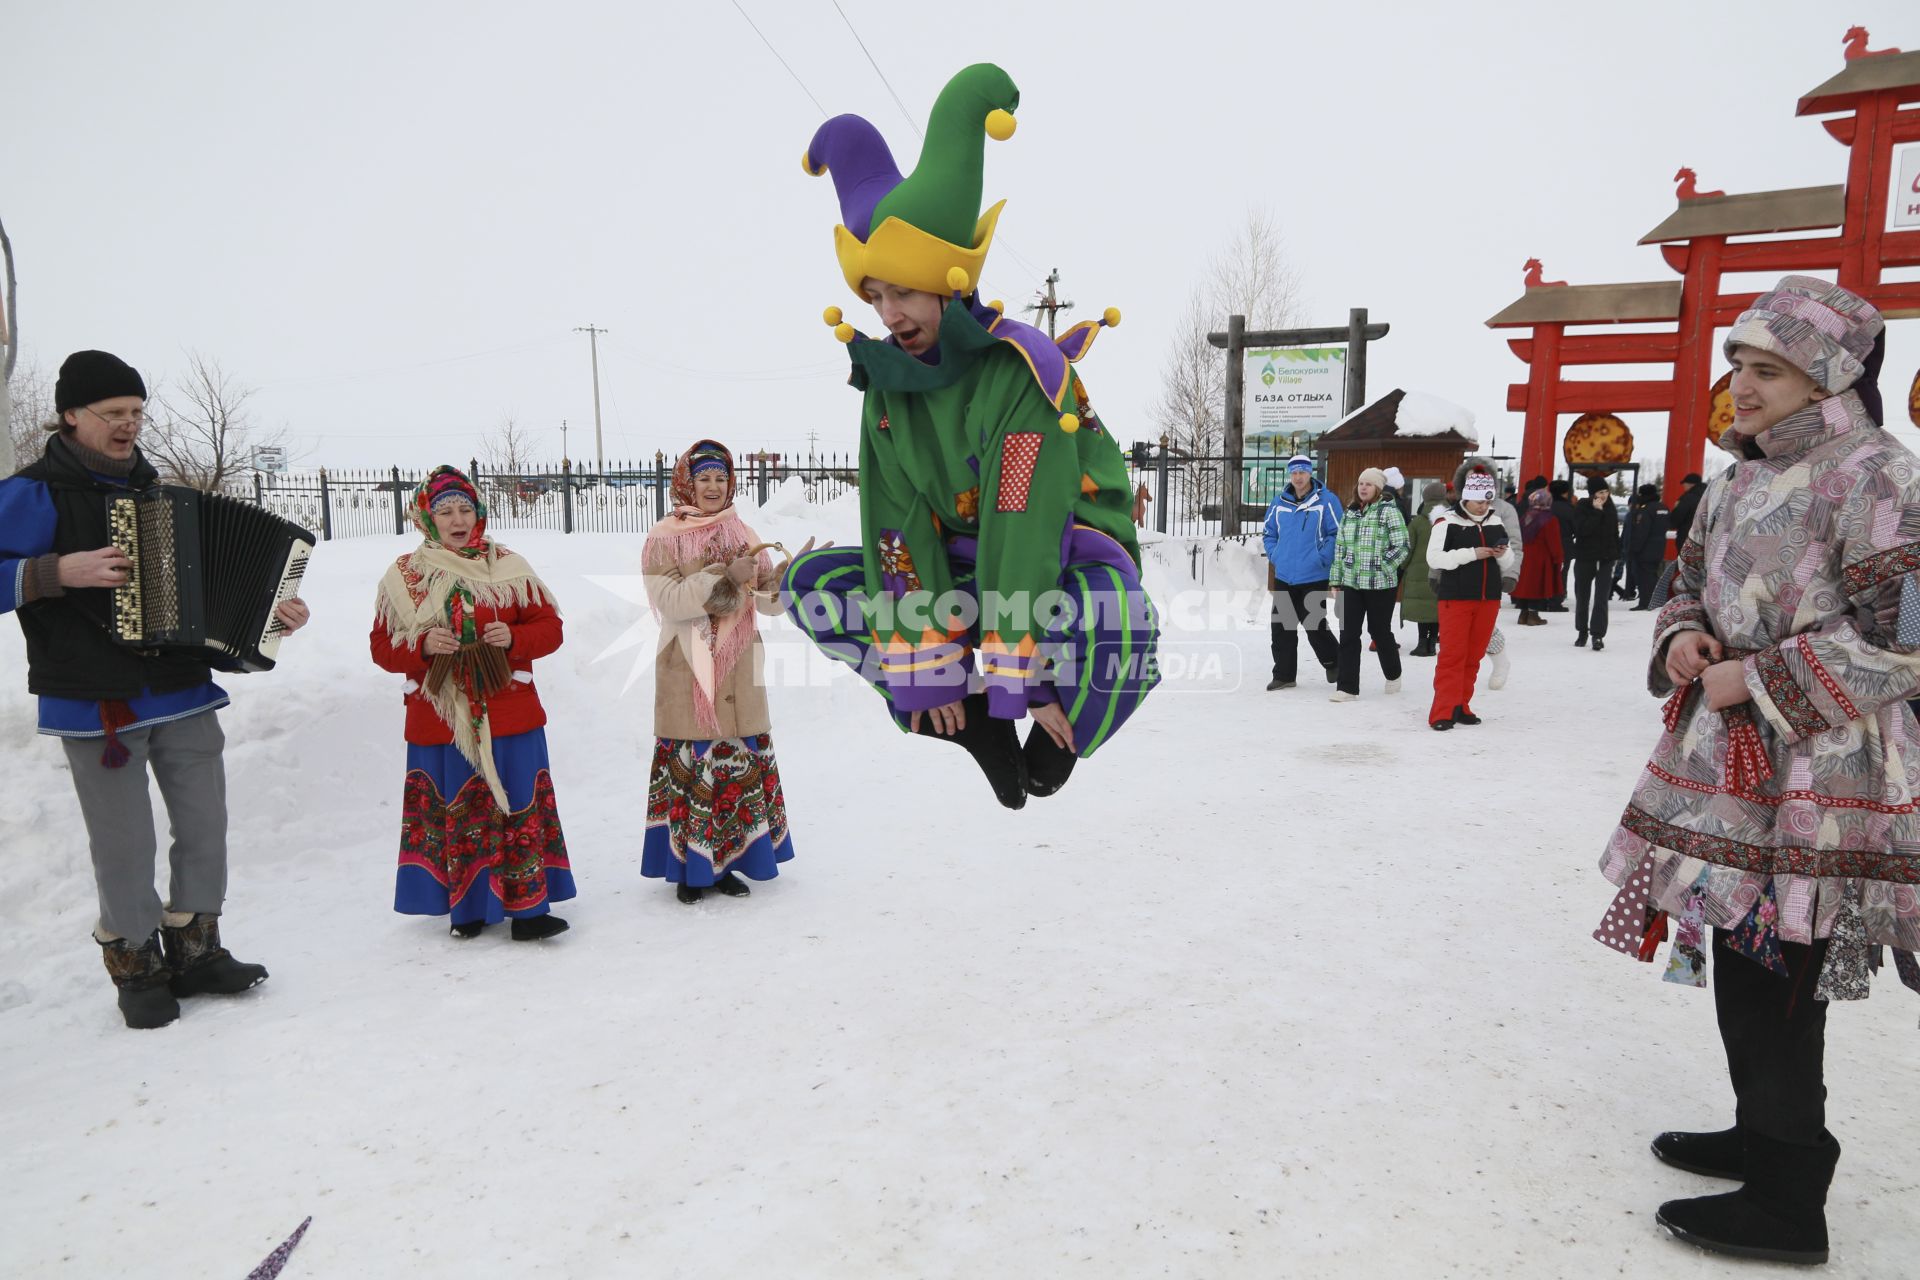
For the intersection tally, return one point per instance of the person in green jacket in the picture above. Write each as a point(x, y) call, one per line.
point(1000, 572)
point(1418, 604)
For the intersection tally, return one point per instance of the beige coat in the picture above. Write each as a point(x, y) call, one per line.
point(683, 595)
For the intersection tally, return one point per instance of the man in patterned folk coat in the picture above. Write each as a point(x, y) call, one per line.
point(1779, 806)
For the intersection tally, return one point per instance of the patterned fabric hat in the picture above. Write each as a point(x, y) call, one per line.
point(442, 484)
point(703, 455)
point(1820, 329)
point(1478, 488)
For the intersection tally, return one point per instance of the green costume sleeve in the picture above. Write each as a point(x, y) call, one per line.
point(924, 654)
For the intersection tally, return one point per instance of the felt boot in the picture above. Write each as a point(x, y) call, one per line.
point(141, 976)
point(1048, 764)
point(201, 966)
point(994, 746)
point(732, 885)
point(1712, 1155)
point(1779, 1215)
point(534, 928)
point(687, 893)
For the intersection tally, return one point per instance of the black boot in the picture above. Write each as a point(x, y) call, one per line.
point(1711, 1155)
point(141, 976)
point(1598, 644)
point(201, 966)
point(1580, 640)
point(534, 928)
point(1048, 765)
point(994, 746)
point(1463, 716)
point(1780, 1215)
point(732, 885)
point(1333, 672)
point(687, 893)
point(468, 929)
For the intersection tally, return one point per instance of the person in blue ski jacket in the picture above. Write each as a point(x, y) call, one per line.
point(1300, 529)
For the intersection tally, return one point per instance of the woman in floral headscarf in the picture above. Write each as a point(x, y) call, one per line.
point(715, 811)
point(463, 618)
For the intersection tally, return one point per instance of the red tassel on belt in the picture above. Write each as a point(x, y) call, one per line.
point(114, 716)
point(1656, 934)
point(1747, 764)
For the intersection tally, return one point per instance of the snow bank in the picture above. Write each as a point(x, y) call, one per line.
point(1273, 987)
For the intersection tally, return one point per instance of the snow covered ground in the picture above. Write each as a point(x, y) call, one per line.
point(1275, 987)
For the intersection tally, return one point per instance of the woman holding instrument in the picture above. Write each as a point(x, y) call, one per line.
point(715, 811)
point(463, 618)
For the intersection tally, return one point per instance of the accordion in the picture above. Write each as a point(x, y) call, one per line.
point(207, 573)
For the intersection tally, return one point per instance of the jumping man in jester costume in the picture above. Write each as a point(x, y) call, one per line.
point(1000, 574)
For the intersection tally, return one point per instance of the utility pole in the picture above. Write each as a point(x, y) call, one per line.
point(593, 344)
point(1048, 303)
point(564, 455)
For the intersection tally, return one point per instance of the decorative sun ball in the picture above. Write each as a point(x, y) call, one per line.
point(1913, 400)
point(1720, 415)
point(1597, 443)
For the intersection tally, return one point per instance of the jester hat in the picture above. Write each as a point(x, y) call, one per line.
point(924, 231)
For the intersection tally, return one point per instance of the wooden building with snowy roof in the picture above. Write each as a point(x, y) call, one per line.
point(1423, 435)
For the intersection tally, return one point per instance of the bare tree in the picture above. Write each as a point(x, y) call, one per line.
point(506, 457)
point(1250, 277)
point(198, 431)
point(10, 454)
point(29, 411)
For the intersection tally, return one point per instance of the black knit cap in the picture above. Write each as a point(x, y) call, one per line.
point(87, 377)
point(1596, 484)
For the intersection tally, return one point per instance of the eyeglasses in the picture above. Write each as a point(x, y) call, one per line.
point(119, 417)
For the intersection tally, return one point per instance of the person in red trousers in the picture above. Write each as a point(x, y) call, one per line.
point(1470, 549)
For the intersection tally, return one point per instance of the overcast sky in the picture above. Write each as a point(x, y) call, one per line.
point(390, 217)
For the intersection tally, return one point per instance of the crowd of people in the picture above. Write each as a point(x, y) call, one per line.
point(1336, 568)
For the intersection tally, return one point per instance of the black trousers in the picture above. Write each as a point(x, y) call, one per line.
point(1375, 608)
point(1775, 1035)
point(1646, 578)
point(1586, 573)
point(1290, 611)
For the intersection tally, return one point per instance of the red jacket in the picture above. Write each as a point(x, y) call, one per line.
point(515, 709)
point(1543, 566)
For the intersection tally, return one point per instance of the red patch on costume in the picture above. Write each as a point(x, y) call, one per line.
point(1019, 455)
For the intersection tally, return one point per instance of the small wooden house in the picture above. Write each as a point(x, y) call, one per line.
point(1374, 437)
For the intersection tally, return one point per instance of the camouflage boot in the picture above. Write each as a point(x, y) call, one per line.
point(201, 966)
point(142, 978)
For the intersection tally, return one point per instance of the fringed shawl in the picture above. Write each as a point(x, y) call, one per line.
point(418, 593)
point(712, 642)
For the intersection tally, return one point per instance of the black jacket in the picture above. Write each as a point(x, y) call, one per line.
point(69, 651)
point(1683, 509)
point(1563, 513)
point(1596, 531)
point(1475, 579)
point(1648, 538)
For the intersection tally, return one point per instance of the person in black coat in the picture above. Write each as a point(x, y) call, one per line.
point(1684, 507)
point(1596, 548)
point(1647, 543)
point(1562, 491)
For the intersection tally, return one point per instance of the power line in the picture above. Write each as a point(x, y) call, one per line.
point(876, 68)
point(783, 62)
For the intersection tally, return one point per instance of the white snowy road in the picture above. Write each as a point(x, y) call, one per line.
point(1276, 987)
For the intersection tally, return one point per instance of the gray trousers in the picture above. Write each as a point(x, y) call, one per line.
point(185, 757)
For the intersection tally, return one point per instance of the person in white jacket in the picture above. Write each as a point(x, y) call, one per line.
point(1473, 553)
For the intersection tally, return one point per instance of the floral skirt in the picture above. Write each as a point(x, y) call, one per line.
point(460, 855)
point(714, 807)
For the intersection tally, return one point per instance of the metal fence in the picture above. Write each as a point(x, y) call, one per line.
point(625, 498)
point(1186, 492)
